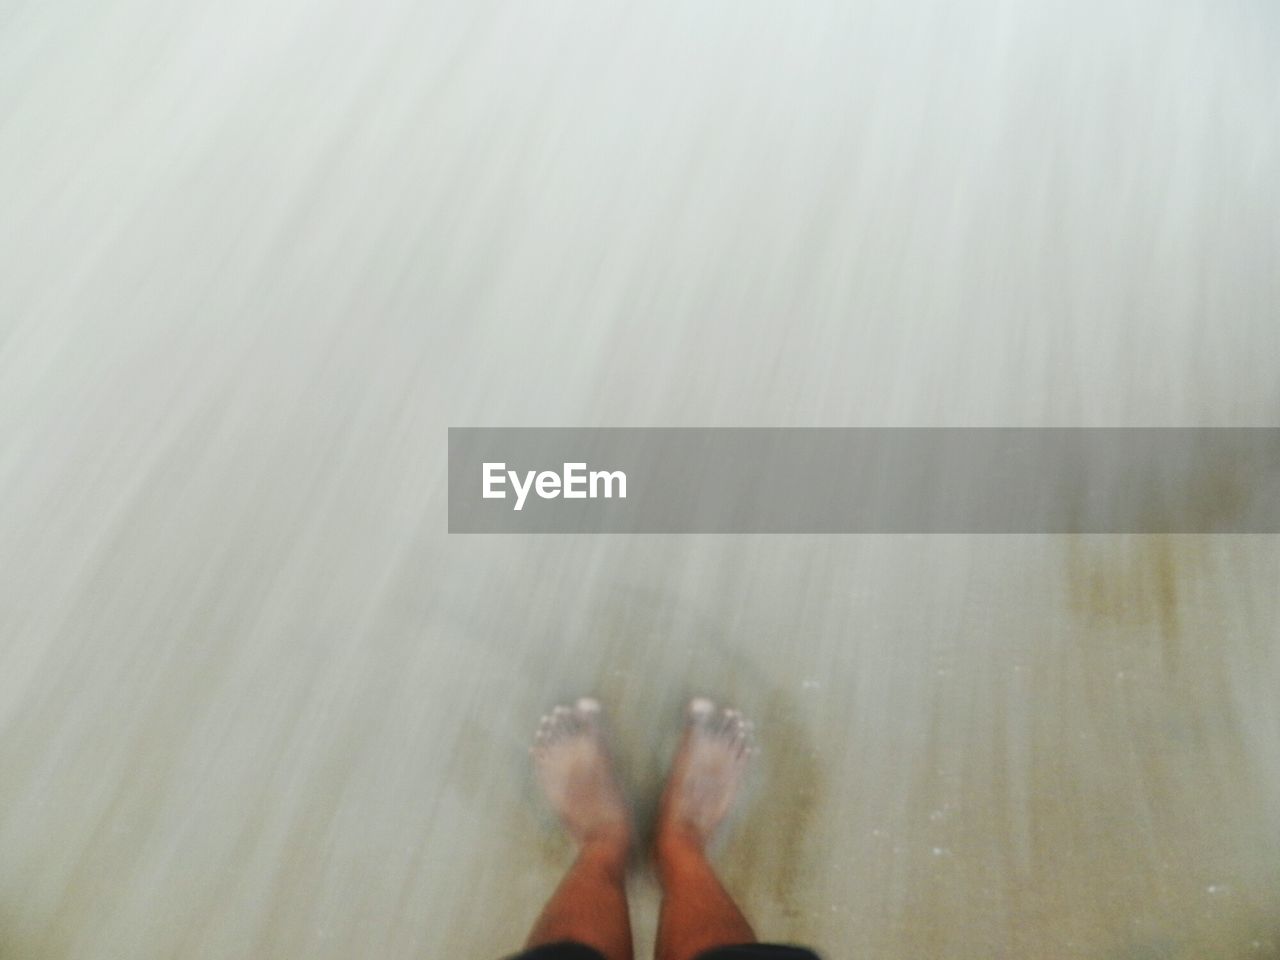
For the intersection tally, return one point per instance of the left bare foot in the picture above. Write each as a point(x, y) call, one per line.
point(576, 774)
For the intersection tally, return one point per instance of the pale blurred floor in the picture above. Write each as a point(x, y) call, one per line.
point(256, 257)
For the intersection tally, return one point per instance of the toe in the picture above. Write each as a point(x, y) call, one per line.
point(726, 723)
point(562, 720)
point(701, 710)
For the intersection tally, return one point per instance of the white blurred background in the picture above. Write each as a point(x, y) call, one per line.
point(256, 256)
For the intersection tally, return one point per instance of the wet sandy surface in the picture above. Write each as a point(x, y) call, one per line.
point(256, 703)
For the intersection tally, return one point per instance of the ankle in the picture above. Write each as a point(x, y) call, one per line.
point(608, 847)
point(677, 843)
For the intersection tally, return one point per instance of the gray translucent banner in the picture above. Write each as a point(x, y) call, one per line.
point(864, 480)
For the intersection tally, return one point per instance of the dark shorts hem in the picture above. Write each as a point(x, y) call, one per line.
point(747, 951)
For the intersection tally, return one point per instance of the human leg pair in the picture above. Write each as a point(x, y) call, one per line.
point(587, 915)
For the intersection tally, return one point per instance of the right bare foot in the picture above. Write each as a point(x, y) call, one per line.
point(705, 774)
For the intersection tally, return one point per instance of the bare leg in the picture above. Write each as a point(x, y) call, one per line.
point(573, 766)
point(697, 912)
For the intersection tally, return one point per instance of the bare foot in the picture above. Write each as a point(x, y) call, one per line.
point(705, 774)
point(576, 775)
